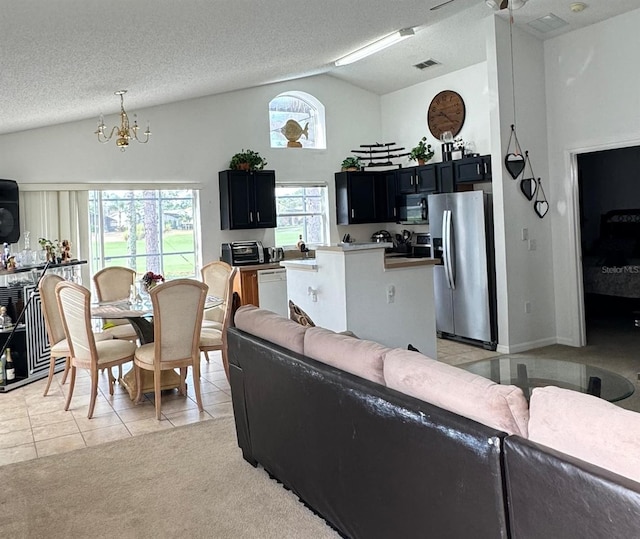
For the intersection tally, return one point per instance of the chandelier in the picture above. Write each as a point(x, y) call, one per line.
point(125, 132)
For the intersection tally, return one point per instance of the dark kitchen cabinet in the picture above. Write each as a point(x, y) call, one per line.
point(423, 179)
point(386, 211)
point(445, 174)
point(473, 169)
point(365, 197)
point(247, 199)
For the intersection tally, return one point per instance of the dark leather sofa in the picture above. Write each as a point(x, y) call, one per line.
point(376, 463)
point(553, 495)
point(371, 461)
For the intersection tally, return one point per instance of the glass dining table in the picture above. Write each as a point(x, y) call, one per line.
point(140, 315)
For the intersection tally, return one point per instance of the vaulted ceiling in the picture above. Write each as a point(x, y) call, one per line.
point(62, 60)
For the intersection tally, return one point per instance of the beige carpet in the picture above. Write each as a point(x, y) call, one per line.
point(185, 482)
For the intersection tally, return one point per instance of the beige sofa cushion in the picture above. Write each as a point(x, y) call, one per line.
point(499, 406)
point(271, 327)
point(586, 427)
point(360, 357)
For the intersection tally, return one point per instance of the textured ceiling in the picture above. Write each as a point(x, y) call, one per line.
point(61, 60)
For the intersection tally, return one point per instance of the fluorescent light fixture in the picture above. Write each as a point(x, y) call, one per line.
point(376, 46)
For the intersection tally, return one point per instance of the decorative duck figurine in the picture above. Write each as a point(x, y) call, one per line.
point(292, 131)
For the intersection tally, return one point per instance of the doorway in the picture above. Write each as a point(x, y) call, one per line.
point(609, 202)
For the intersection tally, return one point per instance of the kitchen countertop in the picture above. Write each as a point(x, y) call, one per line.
point(254, 267)
point(308, 264)
point(355, 246)
point(397, 262)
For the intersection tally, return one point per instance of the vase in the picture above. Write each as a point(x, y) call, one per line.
point(421, 162)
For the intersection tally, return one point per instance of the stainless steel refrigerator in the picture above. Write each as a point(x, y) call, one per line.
point(461, 226)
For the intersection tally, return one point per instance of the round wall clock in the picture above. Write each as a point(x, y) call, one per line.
point(446, 113)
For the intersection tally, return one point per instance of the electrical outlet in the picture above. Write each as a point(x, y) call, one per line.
point(532, 245)
point(527, 307)
point(525, 234)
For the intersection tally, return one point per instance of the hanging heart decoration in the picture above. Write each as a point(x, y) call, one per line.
point(514, 164)
point(528, 185)
point(514, 160)
point(540, 206)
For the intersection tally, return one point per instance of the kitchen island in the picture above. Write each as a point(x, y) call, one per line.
point(354, 287)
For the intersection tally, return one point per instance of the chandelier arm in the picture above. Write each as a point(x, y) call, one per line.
point(105, 138)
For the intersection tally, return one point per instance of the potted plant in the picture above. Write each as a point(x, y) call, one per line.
point(247, 160)
point(422, 152)
point(351, 163)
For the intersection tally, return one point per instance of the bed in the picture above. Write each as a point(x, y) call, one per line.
point(612, 266)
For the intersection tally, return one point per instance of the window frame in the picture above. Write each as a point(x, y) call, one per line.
point(324, 215)
point(318, 117)
point(97, 256)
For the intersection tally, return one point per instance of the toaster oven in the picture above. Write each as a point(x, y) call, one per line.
point(243, 253)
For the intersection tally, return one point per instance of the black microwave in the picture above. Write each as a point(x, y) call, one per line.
point(412, 209)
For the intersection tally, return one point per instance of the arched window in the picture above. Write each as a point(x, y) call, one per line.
point(296, 119)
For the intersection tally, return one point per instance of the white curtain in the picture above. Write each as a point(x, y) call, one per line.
point(57, 215)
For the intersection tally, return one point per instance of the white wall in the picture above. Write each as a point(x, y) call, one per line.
point(192, 140)
point(593, 103)
point(523, 275)
point(404, 113)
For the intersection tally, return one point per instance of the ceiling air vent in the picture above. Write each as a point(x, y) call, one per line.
point(427, 63)
point(548, 23)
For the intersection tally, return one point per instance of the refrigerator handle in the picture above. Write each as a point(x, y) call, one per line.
point(446, 247)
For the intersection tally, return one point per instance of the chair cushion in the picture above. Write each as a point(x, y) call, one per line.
point(360, 357)
point(211, 324)
point(114, 350)
point(124, 331)
point(502, 407)
point(586, 427)
point(210, 337)
point(61, 349)
point(271, 326)
point(145, 354)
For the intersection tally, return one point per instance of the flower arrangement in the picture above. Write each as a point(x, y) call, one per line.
point(150, 279)
point(422, 152)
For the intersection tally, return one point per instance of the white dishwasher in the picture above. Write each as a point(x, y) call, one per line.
point(272, 291)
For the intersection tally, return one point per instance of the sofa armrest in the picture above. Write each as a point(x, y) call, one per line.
point(551, 494)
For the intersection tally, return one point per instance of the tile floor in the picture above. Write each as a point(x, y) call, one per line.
point(33, 426)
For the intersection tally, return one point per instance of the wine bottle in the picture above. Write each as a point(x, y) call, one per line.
point(10, 367)
point(11, 310)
